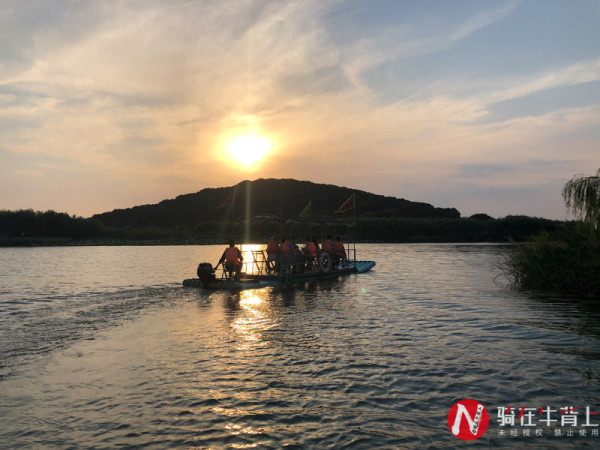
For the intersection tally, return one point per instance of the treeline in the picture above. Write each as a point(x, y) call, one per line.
point(507, 229)
point(50, 224)
point(568, 260)
point(28, 227)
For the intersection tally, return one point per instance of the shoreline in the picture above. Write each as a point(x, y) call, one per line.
point(66, 242)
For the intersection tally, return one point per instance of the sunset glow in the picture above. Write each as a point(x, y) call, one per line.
point(248, 150)
point(486, 107)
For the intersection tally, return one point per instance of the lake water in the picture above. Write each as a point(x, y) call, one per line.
point(103, 347)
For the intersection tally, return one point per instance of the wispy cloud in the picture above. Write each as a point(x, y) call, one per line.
point(579, 73)
point(483, 19)
point(149, 90)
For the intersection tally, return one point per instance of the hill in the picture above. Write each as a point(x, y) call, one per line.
point(267, 196)
point(205, 217)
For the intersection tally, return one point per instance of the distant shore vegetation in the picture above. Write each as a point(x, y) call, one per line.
point(35, 228)
point(215, 215)
point(565, 260)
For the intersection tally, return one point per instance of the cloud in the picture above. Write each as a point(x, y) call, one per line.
point(484, 170)
point(147, 92)
point(579, 73)
point(545, 101)
point(483, 19)
point(208, 64)
point(370, 49)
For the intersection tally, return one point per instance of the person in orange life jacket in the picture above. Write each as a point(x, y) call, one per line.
point(273, 253)
point(339, 252)
point(287, 247)
point(310, 251)
point(231, 260)
point(288, 252)
point(327, 244)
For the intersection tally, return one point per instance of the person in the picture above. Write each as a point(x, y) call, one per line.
point(288, 253)
point(273, 254)
point(310, 251)
point(339, 252)
point(231, 260)
point(299, 260)
point(314, 239)
point(327, 244)
point(286, 247)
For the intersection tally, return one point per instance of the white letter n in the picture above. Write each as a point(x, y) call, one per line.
point(473, 424)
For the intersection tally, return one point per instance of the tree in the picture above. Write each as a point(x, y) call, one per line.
point(582, 197)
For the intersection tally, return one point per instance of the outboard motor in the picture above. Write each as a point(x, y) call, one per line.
point(206, 274)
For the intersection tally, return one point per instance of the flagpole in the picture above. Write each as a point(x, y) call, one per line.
point(232, 208)
point(281, 213)
point(345, 207)
point(354, 240)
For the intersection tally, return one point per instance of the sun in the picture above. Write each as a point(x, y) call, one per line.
point(248, 150)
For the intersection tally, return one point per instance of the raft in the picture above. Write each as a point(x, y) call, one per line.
point(207, 280)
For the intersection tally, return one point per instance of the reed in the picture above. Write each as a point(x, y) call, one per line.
point(566, 262)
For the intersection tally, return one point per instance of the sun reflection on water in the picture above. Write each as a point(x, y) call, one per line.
point(250, 301)
point(253, 318)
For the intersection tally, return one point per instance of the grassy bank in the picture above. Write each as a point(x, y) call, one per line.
point(567, 262)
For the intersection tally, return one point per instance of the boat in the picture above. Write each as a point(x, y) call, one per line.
point(259, 273)
point(207, 278)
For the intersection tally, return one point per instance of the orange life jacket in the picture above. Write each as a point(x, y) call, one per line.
point(232, 255)
point(327, 245)
point(285, 247)
point(338, 248)
point(311, 249)
point(272, 247)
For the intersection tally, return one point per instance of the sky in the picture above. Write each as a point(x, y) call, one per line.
point(484, 106)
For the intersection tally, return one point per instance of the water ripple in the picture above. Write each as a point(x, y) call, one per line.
point(367, 361)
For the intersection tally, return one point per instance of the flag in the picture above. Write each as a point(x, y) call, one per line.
point(228, 201)
point(307, 211)
point(347, 205)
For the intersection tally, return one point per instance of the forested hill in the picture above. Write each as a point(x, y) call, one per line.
point(267, 196)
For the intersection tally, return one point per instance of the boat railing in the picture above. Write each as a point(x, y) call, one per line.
point(289, 266)
point(298, 263)
point(259, 264)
